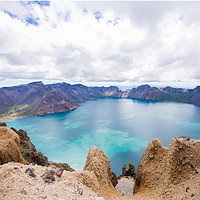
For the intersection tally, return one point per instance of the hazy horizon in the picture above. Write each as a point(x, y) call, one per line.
point(120, 86)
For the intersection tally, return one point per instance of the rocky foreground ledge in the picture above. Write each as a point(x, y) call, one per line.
point(163, 173)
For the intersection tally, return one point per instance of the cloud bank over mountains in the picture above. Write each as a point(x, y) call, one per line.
point(100, 42)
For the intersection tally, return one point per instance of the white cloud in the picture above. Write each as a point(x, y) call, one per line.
point(132, 42)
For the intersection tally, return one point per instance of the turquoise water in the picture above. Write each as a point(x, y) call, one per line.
point(122, 128)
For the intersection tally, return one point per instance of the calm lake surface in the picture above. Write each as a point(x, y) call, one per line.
point(122, 128)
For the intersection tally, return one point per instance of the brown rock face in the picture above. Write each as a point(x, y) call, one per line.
point(151, 165)
point(10, 147)
point(99, 163)
point(89, 179)
point(162, 169)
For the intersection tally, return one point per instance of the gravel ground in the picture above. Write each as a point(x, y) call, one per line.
point(15, 184)
point(125, 186)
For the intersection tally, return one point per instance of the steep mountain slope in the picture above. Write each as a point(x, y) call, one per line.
point(195, 97)
point(51, 102)
point(78, 92)
point(39, 99)
point(32, 99)
point(166, 94)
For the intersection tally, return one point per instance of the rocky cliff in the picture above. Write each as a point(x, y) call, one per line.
point(170, 173)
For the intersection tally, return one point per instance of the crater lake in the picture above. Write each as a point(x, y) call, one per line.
point(122, 128)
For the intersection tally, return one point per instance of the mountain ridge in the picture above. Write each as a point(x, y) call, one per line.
point(37, 98)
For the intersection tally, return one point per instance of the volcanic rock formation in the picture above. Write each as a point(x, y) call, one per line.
point(168, 172)
point(97, 174)
point(10, 146)
point(129, 170)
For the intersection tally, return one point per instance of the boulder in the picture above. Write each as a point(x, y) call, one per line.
point(125, 170)
point(30, 172)
point(10, 146)
point(59, 172)
point(49, 176)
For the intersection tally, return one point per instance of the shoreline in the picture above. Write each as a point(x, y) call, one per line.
point(7, 118)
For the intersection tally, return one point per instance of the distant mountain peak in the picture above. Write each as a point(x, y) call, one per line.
point(197, 88)
point(80, 85)
point(144, 87)
point(36, 83)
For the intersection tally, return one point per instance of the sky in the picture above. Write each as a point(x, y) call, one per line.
point(100, 43)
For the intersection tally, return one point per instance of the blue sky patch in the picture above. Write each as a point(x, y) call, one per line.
point(85, 11)
point(98, 15)
point(114, 22)
point(31, 21)
point(10, 14)
point(41, 3)
point(67, 15)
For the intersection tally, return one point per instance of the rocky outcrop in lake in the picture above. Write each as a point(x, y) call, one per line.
point(129, 170)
